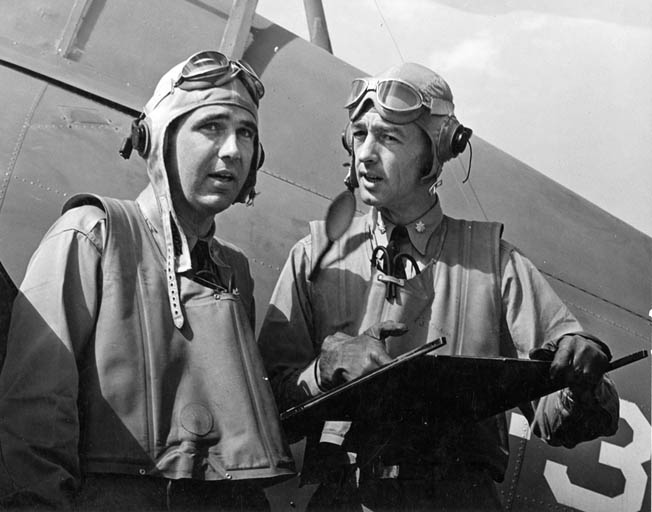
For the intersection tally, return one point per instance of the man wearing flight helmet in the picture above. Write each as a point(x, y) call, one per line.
point(432, 276)
point(131, 364)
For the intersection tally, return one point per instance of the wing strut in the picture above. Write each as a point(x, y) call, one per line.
point(317, 24)
point(236, 33)
point(66, 44)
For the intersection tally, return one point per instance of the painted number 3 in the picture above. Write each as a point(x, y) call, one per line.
point(629, 459)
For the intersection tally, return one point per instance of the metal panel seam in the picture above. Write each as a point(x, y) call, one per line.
point(556, 278)
point(19, 144)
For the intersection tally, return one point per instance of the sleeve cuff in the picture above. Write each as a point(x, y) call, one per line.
point(308, 379)
point(334, 432)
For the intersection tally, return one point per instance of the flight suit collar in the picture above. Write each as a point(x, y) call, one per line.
point(420, 230)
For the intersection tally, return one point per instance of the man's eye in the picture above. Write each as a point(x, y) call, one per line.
point(359, 134)
point(213, 127)
point(388, 137)
point(247, 133)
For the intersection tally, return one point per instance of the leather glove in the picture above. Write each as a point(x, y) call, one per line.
point(344, 358)
point(577, 361)
point(588, 406)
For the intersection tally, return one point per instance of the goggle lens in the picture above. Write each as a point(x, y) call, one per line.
point(398, 96)
point(251, 77)
point(391, 94)
point(358, 89)
point(204, 64)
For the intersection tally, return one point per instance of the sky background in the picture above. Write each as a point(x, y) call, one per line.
point(563, 85)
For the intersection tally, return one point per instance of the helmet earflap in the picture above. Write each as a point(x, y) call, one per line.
point(347, 139)
point(248, 191)
point(351, 180)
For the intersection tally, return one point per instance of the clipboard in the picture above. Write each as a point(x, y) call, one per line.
point(422, 386)
point(351, 388)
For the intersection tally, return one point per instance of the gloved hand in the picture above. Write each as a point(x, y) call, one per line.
point(578, 362)
point(344, 358)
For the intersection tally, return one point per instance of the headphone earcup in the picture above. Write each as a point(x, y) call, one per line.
point(453, 139)
point(140, 138)
point(460, 139)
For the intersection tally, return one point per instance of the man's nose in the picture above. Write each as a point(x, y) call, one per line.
point(229, 147)
point(366, 151)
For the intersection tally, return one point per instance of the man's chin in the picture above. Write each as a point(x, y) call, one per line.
point(218, 204)
point(369, 199)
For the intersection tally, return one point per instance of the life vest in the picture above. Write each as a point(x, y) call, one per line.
point(458, 296)
point(193, 402)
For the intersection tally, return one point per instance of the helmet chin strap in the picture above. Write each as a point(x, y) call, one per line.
point(433, 188)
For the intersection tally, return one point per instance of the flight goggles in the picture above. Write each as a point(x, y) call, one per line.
point(399, 101)
point(211, 69)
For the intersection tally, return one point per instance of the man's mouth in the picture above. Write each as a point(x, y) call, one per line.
point(371, 178)
point(225, 176)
